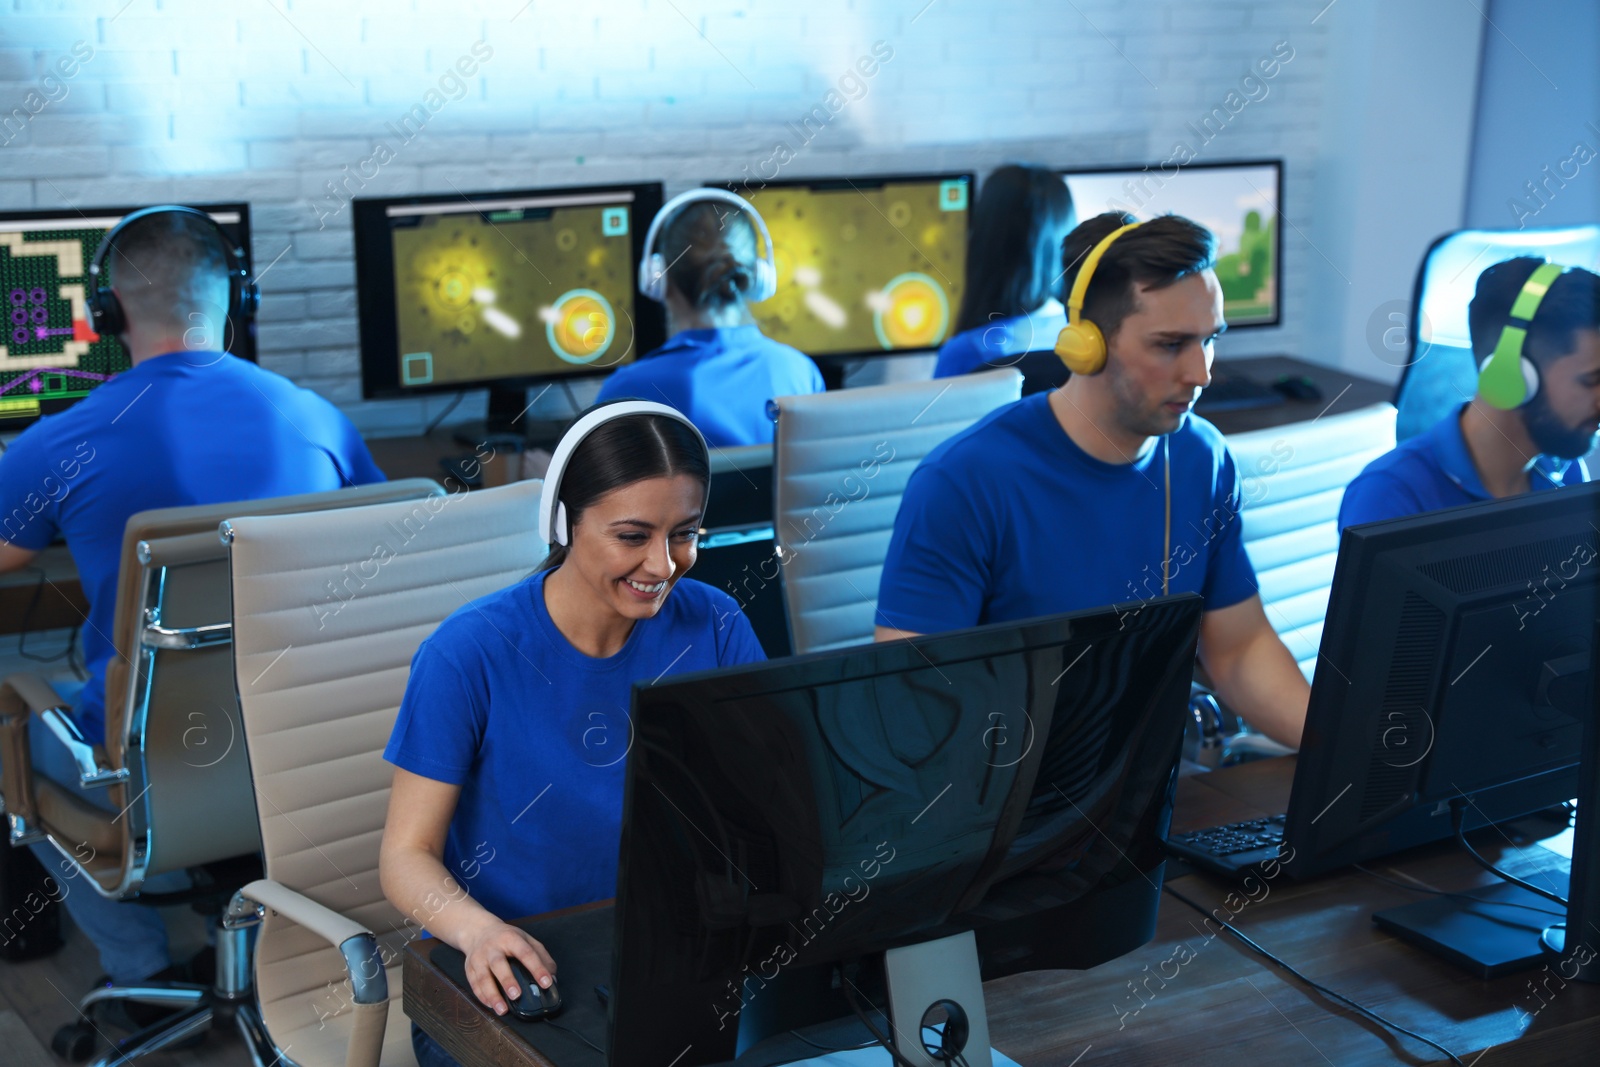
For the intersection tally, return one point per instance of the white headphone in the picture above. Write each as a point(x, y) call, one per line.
point(553, 524)
point(653, 267)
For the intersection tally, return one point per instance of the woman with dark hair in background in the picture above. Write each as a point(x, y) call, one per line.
point(718, 367)
point(509, 743)
point(1011, 303)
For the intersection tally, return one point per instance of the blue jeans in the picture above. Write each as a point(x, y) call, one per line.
point(429, 1052)
point(131, 938)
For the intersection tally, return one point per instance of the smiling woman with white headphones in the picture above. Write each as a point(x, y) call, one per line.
point(511, 739)
point(702, 261)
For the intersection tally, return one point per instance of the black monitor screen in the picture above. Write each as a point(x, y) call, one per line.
point(478, 289)
point(818, 809)
point(865, 265)
point(50, 356)
point(1239, 202)
point(1453, 671)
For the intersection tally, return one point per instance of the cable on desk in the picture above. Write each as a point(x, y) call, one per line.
point(798, 1036)
point(1447, 893)
point(849, 988)
point(573, 1033)
point(27, 621)
point(448, 408)
point(1458, 815)
point(1318, 986)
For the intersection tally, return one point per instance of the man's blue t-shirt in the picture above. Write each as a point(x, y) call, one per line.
point(1010, 519)
point(974, 349)
point(535, 734)
point(179, 429)
point(722, 379)
point(1434, 470)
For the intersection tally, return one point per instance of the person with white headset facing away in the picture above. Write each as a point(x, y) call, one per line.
point(510, 741)
point(717, 367)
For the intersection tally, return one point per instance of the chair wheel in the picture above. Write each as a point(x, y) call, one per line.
point(74, 1042)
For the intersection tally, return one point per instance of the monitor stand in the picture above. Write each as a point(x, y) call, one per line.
point(919, 978)
point(1494, 934)
point(508, 422)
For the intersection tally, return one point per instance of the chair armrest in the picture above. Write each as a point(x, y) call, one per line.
point(362, 962)
point(20, 696)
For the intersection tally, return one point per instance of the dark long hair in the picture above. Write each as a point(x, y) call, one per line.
point(621, 452)
point(1014, 255)
point(711, 251)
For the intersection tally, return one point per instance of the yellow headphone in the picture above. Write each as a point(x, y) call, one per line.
point(1081, 345)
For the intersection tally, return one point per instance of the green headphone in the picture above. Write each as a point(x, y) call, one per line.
point(1508, 379)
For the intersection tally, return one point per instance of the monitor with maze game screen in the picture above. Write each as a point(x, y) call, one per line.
point(50, 356)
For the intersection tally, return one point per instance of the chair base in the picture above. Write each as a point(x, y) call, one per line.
point(229, 998)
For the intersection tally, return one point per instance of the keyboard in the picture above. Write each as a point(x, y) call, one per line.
point(1236, 392)
point(1233, 849)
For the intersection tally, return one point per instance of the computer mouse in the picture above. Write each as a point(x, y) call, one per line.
point(1298, 387)
point(533, 1003)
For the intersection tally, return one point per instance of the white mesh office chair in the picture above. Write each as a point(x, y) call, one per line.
point(327, 612)
point(1294, 478)
point(842, 461)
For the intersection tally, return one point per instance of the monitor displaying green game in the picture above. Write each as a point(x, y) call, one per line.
point(1239, 202)
point(50, 355)
point(867, 265)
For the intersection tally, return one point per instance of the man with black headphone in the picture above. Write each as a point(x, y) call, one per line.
point(1535, 327)
point(1107, 490)
point(185, 424)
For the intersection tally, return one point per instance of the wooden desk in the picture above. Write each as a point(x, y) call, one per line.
point(1206, 999)
point(1341, 392)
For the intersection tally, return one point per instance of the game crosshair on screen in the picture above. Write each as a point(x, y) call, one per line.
point(864, 265)
point(512, 288)
point(1236, 201)
point(49, 354)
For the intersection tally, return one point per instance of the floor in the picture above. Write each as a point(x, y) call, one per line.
point(38, 997)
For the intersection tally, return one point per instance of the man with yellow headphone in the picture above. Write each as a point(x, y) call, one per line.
point(1535, 326)
point(1107, 490)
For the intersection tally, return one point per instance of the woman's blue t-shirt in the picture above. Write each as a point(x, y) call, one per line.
point(536, 734)
point(722, 379)
point(991, 343)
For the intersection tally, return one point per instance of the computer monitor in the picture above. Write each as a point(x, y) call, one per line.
point(867, 265)
point(1240, 202)
point(1454, 667)
point(50, 356)
point(1013, 780)
point(501, 289)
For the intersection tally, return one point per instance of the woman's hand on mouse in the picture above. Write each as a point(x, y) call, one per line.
point(489, 950)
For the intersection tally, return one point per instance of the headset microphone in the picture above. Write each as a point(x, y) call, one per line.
point(653, 267)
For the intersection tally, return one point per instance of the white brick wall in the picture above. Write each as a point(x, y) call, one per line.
point(182, 100)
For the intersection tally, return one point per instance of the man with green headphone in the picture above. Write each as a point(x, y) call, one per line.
point(1535, 329)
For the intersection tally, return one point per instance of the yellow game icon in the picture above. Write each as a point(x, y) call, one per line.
point(912, 311)
point(580, 326)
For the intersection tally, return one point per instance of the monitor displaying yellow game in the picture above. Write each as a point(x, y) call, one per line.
point(865, 265)
point(500, 289)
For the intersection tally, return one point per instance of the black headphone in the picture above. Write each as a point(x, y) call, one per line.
point(105, 310)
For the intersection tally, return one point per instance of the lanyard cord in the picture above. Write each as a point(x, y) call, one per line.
point(1166, 541)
